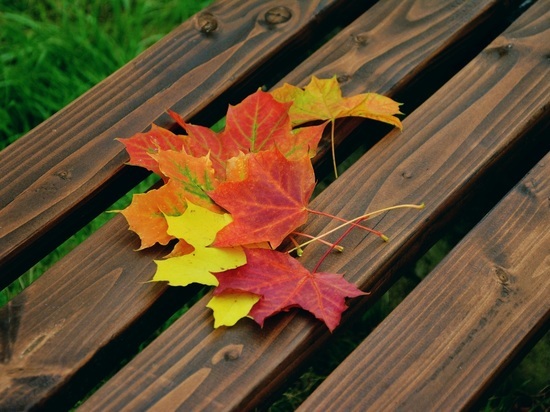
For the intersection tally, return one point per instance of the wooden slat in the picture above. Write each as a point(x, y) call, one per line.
point(447, 341)
point(70, 166)
point(467, 127)
point(48, 312)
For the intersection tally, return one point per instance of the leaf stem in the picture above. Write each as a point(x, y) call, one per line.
point(363, 217)
point(337, 247)
point(333, 148)
point(299, 250)
point(368, 229)
point(342, 236)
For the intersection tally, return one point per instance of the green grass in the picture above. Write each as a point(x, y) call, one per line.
point(52, 51)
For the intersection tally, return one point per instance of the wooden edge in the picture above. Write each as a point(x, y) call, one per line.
point(447, 341)
point(54, 179)
point(457, 136)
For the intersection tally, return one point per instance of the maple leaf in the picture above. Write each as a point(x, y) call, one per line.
point(283, 283)
point(203, 141)
point(256, 124)
point(302, 142)
point(191, 177)
point(228, 308)
point(269, 203)
point(322, 99)
point(146, 213)
point(198, 227)
point(141, 146)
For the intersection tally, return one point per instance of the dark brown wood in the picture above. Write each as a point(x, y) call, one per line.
point(107, 262)
point(472, 124)
point(54, 179)
point(448, 340)
point(54, 333)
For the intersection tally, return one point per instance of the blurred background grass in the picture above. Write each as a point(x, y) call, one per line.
point(52, 51)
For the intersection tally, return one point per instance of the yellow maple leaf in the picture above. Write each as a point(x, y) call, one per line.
point(198, 226)
point(322, 99)
point(230, 307)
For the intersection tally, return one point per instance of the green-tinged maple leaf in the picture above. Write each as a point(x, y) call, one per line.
point(191, 176)
point(229, 307)
point(283, 283)
point(141, 146)
point(322, 99)
point(198, 227)
point(146, 213)
point(269, 203)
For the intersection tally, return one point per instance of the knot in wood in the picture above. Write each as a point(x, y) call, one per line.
point(342, 78)
point(64, 174)
point(278, 15)
point(504, 50)
point(502, 276)
point(206, 22)
point(360, 39)
point(228, 353)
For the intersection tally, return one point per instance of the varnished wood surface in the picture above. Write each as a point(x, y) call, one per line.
point(70, 166)
point(475, 121)
point(462, 325)
point(77, 309)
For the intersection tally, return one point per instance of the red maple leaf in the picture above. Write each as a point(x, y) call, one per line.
point(269, 203)
point(256, 124)
point(283, 283)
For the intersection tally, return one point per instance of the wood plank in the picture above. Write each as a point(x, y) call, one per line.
point(466, 128)
point(109, 255)
point(70, 167)
point(376, 54)
point(449, 339)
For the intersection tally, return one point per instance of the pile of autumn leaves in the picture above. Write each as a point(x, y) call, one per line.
point(230, 199)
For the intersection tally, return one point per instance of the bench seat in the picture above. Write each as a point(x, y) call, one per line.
point(478, 94)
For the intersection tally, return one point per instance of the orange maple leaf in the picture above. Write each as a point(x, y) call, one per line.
point(145, 215)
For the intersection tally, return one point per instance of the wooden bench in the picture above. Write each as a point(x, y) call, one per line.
point(476, 95)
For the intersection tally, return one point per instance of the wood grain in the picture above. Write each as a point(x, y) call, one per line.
point(448, 340)
point(54, 179)
point(474, 122)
